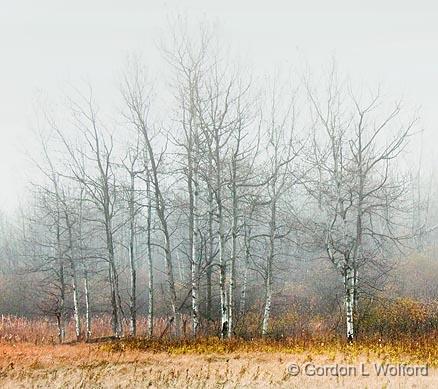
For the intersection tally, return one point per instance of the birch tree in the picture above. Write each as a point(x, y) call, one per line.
point(137, 102)
point(281, 153)
point(131, 166)
point(189, 65)
point(355, 147)
point(218, 125)
point(99, 181)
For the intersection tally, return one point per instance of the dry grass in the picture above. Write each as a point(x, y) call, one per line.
point(29, 357)
point(392, 320)
point(97, 366)
point(420, 351)
point(43, 330)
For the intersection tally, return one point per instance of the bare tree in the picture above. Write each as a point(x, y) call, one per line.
point(137, 101)
point(281, 152)
point(101, 187)
point(355, 146)
point(189, 65)
point(133, 209)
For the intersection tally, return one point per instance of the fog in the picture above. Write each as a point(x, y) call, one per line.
point(49, 45)
point(189, 168)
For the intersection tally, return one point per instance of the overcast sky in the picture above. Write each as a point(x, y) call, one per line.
point(46, 43)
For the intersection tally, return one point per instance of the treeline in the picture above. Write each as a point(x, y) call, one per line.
point(211, 187)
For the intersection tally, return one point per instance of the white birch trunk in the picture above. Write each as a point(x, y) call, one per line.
point(194, 254)
point(268, 302)
point(221, 238)
point(161, 209)
point(210, 247)
point(132, 267)
point(271, 254)
point(268, 293)
point(247, 242)
point(113, 278)
point(349, 302)
point(85, 272)
point(76, 314)
point(242, 305)
point(222, 278)
point(150, 330)
point(61, 313)
point(233, 250)
point(75, 283)
point(87, 308)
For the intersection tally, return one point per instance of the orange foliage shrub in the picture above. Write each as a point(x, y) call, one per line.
point(392, 320)
point(400, 318)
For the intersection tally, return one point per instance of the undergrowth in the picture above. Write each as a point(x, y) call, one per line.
point(421, 350)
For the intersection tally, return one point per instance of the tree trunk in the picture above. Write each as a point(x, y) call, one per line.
point(247, 242)
point(222, 278)
point(132, 267)
point(242, 304)
point(61, 313)
point(76, 303)
point(75, 283)
point(193, 191)
point(150, 265)
point(161, 212)
point(268, 302)
point(349, 302)
point(87, 308)
point(133, 299)
point(355, 294)
point(210, 249)
point(233, 250)
point(221, 238)
point(270, 259)
point(113, 276)
point(61, 305)
point(114, 310)
point(171, 283)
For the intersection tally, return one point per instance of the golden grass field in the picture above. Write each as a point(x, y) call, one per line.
point(206, 363)
point(30, 357)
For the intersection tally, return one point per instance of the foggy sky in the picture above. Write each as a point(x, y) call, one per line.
point(47, 43)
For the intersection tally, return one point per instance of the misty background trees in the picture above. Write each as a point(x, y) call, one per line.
point(217, 205)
